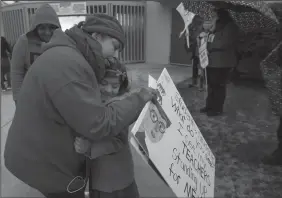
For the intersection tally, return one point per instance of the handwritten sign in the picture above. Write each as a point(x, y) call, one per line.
point(187, 18)
point(203, 52)
point(70, 8)
point(177, 148)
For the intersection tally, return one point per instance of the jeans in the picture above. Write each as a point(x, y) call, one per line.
point(217, 79)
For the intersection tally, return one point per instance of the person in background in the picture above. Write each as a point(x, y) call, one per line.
point(222, 58)
point(60, 100)
point(28, 46)
point(6, 52)
point(195, 29)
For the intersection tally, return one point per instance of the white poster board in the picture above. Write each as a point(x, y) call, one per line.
point(70, 8)
point(175, 145)
point(187, 18)
point(69, 21)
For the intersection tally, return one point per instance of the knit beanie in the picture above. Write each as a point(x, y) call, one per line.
point(105, 24)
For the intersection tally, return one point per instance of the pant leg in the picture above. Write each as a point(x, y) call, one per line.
point(2, 79)
point(129, 192)
point(221, 88)
point(218, 83)
point(210, 81)
point(195, 71)
point(79, 194)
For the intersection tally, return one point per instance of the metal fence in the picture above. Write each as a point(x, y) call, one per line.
point(131, 15)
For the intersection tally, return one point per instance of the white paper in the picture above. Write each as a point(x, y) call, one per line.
point(68, 22)
point(70, 8)
point(187, 18)
point(177, 148)
point(203, 52)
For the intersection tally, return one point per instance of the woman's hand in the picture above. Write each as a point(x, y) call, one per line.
point(81, 145)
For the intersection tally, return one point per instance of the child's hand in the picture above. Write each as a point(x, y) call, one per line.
point(81, 145)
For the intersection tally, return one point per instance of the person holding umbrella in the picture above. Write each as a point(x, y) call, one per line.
point(222, 58)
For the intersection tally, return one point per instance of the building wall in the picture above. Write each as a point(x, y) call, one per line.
point(158, 30)
point(1, 20)
point(1, 26)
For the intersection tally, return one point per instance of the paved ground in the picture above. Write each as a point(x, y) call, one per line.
point(148, 182)
point(239, 140)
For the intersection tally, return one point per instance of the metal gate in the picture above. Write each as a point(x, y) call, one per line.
point(131, 15)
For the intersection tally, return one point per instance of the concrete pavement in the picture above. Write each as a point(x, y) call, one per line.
point(150, 185)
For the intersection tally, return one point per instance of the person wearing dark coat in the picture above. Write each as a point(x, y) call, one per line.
point(28, 46)
point(194, 29)
point(222, 59)
point(6, 52)
point(60, 100)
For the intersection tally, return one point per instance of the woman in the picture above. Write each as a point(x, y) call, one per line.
point(28, 46)
point(196, 28)
point(222, 58)
point(60, 100)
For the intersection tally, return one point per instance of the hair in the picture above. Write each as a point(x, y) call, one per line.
point(114, 64)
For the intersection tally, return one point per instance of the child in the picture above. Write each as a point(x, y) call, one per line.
point(111, 158)
point(115, 83)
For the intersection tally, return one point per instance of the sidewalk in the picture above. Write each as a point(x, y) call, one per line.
point(148, 182)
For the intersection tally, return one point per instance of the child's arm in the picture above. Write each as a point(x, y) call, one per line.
point(107, 146)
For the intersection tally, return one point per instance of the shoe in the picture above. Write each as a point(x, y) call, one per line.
point(9, 88)
point(204, 110)
point(214, 113)
point(275, 159)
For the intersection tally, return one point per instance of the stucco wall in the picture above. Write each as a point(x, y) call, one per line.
point(158, 30)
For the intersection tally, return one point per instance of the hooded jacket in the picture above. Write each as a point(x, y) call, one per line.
point(60, 100)
point(28, 46)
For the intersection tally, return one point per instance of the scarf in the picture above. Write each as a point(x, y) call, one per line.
point(90, 49)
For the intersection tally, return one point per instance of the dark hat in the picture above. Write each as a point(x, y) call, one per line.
point(105, 24)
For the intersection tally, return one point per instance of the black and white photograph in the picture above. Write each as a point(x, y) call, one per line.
point(74, 83)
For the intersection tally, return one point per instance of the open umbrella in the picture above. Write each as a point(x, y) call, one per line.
point(253, 16)
point(271, 68)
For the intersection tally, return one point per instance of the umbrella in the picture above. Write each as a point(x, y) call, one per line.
point(254, 16)
point(271, 68)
